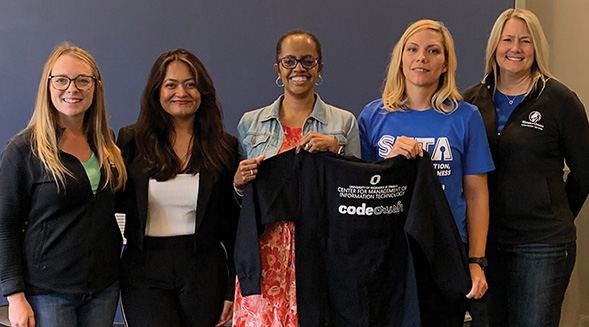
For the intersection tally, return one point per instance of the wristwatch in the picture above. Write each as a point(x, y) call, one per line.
point(481, 261)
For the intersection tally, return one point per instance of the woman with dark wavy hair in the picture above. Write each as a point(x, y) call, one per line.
point(180, 210)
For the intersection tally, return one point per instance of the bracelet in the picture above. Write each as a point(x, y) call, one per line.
point(341, 151)
point(238, 191)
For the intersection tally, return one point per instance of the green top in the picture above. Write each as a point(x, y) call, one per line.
point(92, 168)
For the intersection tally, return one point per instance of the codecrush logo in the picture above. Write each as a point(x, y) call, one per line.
point(364, 210)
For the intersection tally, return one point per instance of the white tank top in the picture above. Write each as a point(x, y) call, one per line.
point(171, 206)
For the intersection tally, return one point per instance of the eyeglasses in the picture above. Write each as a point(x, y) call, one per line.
point(307, 62)
point(82, 82)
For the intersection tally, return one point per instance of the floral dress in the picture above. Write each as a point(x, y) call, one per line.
point(277, 305)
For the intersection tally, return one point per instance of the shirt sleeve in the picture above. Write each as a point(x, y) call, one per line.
point(242, 128)
point(431, 224)
point(230, 215)
point(353, 146)
point(575, 145)
point(477, 154)
point(272, 196)
point(14, 204)
point(369, 151)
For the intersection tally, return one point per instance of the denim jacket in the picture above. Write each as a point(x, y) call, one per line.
point(260, 132)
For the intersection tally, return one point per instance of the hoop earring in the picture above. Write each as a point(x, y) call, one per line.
point(319, 80)
point(279, 82)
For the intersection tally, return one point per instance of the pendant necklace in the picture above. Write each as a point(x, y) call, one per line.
point(510, 100)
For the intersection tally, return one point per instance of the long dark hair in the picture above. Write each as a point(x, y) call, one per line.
point(211, 149)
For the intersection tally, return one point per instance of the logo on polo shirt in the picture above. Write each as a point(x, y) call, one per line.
point(534, 117)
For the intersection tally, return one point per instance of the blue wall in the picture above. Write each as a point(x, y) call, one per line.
point(234, 39)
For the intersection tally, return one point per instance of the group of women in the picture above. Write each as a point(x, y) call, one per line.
point(178, 177)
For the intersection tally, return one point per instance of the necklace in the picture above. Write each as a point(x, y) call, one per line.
point(510, 100)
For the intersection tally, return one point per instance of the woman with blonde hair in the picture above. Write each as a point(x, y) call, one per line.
point(534, 125)
point(59, 240)
point(421, 109)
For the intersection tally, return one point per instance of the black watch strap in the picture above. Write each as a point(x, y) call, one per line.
point(481, 261)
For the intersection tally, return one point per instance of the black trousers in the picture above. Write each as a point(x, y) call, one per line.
point(168, 284)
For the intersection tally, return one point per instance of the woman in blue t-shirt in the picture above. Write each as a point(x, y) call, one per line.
point(421, 109)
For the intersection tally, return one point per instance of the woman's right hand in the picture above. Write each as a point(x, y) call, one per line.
point(20, 312)
point(407, 147)
point(246, 172)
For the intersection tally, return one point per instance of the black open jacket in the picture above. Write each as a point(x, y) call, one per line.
point(70, 243)
point(216, 214)
point(529, 200)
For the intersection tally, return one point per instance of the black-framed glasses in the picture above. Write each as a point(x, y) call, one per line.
point(82, 82)
point(307, 62)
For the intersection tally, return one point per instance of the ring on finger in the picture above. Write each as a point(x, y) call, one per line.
point(251, 172)
point(307, 146)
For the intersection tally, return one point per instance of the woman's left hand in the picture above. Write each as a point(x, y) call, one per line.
point(226, 315)
point(314, 142)
point(479, 282)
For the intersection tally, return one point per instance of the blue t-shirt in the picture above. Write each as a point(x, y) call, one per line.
point(456, 142)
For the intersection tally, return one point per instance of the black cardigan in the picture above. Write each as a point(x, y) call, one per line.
point(71, 241)
point(216, 215)
point(529, 200)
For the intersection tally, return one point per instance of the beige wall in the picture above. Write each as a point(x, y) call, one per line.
point(566, 24)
